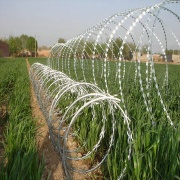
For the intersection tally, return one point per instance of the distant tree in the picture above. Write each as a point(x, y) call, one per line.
point(15, 45)
point(144, 49)
point(61, 40)
point(24, 39)
point(171, 51)
point(100, 48)
point(176, 51)
point(32, 44)
point(24, 42)
point(115, 48)
point(132, 46)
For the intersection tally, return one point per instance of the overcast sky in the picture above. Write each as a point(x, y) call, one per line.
point(49, 20)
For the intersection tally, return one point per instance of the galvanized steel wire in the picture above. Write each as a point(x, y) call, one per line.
point(63, 81)
point(50, 86)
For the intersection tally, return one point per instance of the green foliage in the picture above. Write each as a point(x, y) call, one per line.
point(21, 159)
point(31, 44)
point(61, 40)
point(99, 49)
point(171, 51)
point(155, 148)
point(24, 39)
point(22, 43)
point(15, 45)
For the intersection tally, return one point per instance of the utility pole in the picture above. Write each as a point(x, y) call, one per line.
point(35, 46)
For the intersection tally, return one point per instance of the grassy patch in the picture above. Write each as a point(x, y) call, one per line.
point(20, 154)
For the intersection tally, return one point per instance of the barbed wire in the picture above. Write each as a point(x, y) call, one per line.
point(147, 19)
point(53, 87)
point(82, 72)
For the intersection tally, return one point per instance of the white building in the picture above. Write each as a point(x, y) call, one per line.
point(173, 58)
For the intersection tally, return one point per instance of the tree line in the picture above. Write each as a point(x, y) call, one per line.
point(90, 49)
point(23, 45)
point(171, 51)
point(20, 46)
point(114, 50)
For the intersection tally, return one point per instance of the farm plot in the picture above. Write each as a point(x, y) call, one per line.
point(113, 112)
point(89, 125)
point(107, 101)
point(19, 158)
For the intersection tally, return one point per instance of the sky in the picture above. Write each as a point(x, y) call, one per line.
point(49, 20)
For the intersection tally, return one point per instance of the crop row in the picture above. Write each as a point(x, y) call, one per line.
point(20, 158)
point(75, 112)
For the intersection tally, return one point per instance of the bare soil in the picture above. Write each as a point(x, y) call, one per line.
point(43, 53)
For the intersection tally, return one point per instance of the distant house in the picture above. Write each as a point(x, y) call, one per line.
point(4, 49)
point(173, 58)
point(145, 58)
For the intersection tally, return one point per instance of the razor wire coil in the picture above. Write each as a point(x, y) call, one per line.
point(78, 75)
point(89, 95)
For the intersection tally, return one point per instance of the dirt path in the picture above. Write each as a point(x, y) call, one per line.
point(53, 166)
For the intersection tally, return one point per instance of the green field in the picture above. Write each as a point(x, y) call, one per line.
point(156, 144)
point(155, 149)
point(20, 159)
